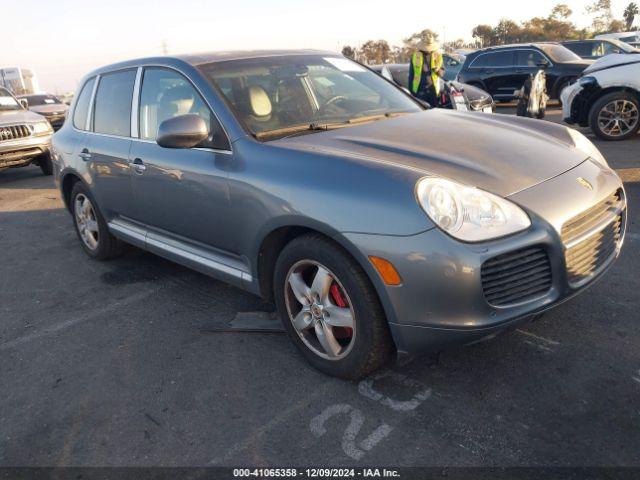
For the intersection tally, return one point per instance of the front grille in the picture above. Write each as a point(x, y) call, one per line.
point(592, 237)
point(13, 132)
point(516, 276)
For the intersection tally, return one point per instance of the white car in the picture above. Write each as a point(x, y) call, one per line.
point(606, 97)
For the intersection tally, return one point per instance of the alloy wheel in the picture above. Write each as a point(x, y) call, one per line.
point(86, 221)
point(618, 117)
point(320, 310)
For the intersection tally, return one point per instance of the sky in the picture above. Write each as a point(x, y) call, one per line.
point(63, 40)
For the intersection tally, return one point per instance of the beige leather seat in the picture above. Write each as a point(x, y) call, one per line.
point(257, 110)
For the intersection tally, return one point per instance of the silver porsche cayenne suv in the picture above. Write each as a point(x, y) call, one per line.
point(374, 225)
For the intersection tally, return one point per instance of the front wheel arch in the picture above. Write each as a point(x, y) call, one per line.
point(278, 238)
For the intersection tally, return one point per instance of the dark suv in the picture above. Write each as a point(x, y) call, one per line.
point(502, 70)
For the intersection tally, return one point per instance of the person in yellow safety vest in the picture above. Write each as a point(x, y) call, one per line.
point(425, 71)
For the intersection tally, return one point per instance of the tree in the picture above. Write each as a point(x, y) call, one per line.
point(629, 15)
point(483, 34)
point(375, 52)
point(561, 12)
point(349, 52)
point(507, 31)
point(603, 16)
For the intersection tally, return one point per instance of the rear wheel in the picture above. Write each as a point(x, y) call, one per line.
point(330, 309)
point(615, 116)
point(91, 228)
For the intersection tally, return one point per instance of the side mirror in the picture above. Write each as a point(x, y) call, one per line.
point(25, 103)
point(183, 131)
point(543, 63)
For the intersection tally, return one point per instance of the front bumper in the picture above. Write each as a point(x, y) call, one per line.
point(441, 301)
point(22, 151)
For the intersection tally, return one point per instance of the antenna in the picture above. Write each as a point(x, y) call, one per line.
point(164, 47)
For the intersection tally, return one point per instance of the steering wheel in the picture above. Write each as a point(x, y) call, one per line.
point(333, 100)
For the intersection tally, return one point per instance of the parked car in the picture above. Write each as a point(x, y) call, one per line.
point(503, 70)
point(302, 176)
point(632, 38)
point(452, 65)
point(606, 98)
point(49, 106)
point(479, 100)
point(25, 136)
point(593, 49)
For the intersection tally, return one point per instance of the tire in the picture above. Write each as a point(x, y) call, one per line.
point(355, 352)
point(606, 108)
point(89, 223)
point(46, 165)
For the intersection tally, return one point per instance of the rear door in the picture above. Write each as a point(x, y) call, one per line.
point(497, 71)
point(106, 145)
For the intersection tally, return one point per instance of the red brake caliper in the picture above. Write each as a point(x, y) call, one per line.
point(340, 301)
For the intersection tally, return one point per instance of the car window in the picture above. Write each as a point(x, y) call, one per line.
point(493, 59)
point(272, 94)
point(583, 49)
point(112, 106)
point(82, 105)
point(7, 102)
point(401, 75)
point(608, 48)
point(166, 94)
point(44, 99)
point(559, 53)
point(529, 58)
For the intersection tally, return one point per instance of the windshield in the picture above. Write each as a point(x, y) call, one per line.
point(7, 102)
point(625, 47)
point(275, 95)
point(560, 53)
point(41, 99)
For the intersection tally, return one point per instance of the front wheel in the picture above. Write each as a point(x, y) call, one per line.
point(330, 309)
point(46, 165)
point(615, 116)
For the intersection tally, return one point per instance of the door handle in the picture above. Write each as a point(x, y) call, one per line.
point(85, 155)
point(138, 166)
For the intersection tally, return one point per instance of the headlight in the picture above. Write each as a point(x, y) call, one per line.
point(468, 213)
point(41, 128)
point(584, 145)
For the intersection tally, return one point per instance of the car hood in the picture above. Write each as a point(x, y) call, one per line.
point(13, 117)
point(497, 153)
point(613, 60)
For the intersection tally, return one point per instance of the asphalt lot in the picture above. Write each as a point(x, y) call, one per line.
point(111, 364)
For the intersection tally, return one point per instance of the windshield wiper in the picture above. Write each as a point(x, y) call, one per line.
point(300, 129)
point(287, 132)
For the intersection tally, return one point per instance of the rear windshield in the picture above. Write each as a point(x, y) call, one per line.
point(35, 100)
point(560, 53)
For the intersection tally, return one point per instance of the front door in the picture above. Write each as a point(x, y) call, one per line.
point(529, 62)
point(180, 192)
